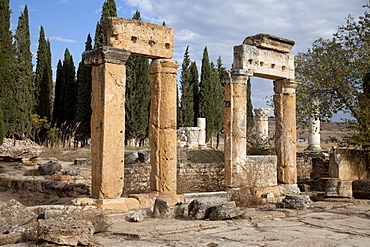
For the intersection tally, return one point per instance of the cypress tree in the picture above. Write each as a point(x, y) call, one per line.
point(219, 96)
point(187, 100)
point(24, 76)
point(109, 9)
point(137, 96)
point(2, 128)
point(43, 78)
point(7, 69)
point(58, 109)
point(206, 94)
point(194, 82)
point(250, 118)
point(83, 101)
point(68, 89)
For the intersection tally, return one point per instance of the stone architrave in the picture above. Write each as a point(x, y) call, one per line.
point(285, 137)
point(314, 128)
point(162, 125)
point(201, 124)
point(235, 126)
point(262, 126)
point(107, 120)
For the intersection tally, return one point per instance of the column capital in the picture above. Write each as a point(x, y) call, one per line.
point(285, 86)
point(237, 76)
point(105, 54)
point(163, 65)
point(262, 113)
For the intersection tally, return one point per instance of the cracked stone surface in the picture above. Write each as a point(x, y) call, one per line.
point(336, 223)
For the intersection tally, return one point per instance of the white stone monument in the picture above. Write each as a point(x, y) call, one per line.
point(314, 128)
point(201, 123)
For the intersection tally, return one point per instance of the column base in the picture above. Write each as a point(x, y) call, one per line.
point(286, 189)
point(110, 206)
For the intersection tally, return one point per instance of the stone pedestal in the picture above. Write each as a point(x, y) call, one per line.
point(201, 124)
point(162, 125)
point(262, 126)
point(285, 136)
point(235, 126)
point(107, 120)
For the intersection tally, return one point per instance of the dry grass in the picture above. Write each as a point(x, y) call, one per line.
point(68, 155)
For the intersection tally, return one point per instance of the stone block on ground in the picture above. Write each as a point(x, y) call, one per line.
point(225, 211)
point(80, 162)
point(200, 208)
point(144, 155)
point(335, 187)
point(361, 189)
point(13, 238)
point(51, 167)
point(295, 202)
point(286, 189)
point(20, 152)
point(162, 209)
point(118, 205)
point(131, 157)
point(136, 216)
point(66, 231)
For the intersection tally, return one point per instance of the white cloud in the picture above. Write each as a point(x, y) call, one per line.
point(61, 39)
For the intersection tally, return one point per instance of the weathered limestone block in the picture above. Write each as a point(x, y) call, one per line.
point(226, 211)
point(295, 202)
point(107, 120)
point(20, 152)
point(286, 132)
point(131, 157)
point(235, 126)
point(201, 124)
point(141, 38)
point(50, 167)
point(13, 238)
point(136, 216)
point(348, 164)
point(66, 231)
point(270, 42)
point(163, 210)
point(334, 187)
point(262, 125)
point(200, 208)
point(361, 189)
point(144, 155)
point(162, 125)
point(13, 214)
point(80, 162)
point(263, 63)
point(258, 171)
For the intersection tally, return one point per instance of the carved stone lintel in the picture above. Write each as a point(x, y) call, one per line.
point(285, 86)
point(105, 54)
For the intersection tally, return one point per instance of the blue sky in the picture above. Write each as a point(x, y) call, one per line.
point(217, 24)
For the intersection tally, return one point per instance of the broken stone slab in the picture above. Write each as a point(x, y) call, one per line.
point(51, 167)
point(13, 214)
point(361, 189)
point(80, 162)
point(200, 208)
point(295, 202)
point(131, 157)
point(13, 238)
point(226, 211)
point(162, 209)
point(67, 231)
point(271, 42)
point(144, 155)
point(20, 152)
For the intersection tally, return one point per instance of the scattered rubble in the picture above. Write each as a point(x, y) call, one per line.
point(295, 202)
point(51, 167)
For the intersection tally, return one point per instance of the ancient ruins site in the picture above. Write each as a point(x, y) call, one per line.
point(180, 191)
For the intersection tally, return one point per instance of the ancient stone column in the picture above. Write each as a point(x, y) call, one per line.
point(314, 128)
point(262, 126)
point(235, 126)
point(201, 123)
point(107, 120)
point(285, 136)
point(162, 125)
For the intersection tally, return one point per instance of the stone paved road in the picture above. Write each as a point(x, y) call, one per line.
point(329, 224)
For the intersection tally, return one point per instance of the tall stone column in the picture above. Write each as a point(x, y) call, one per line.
point(285, 136)
point(162, 125)
point(201, 124)
point(314, 128)
point(235, 126)
point(262, 126)
point(107, 120)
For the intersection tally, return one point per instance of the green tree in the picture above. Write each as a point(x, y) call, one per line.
point(58, 106)
point(7, 69)
point(194, 83)
point(43, 78)
point(24, 77)
point(109, 9)
point(219, 95)
point(332, 71)
point(187, 97)
point(250, 118)
point(83, 101)
point(2, 128)
point(68, 89)
point(206, 94)
point(137, 96)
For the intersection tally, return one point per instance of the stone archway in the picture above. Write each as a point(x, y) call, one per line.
point(264, 56)
point(125, 37)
